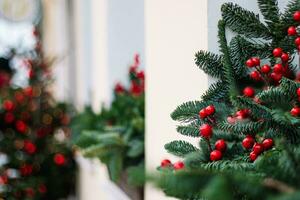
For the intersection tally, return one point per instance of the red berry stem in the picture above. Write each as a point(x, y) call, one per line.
point(209, 145)
point(211, 120)
point(262, 75)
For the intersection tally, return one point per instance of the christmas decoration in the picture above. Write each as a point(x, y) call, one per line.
point(30, 122)
point(116, 135)
point(261, 133)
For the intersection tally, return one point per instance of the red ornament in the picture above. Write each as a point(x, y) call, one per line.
point(285, 57)
point(29, 192)
point(210, 110)
point(178, 165)
point(276, 77)
point(295, 111)
point(202, 114)
point(8, 105)
point(26, 170)
point(29, 147)
point(220, 145)
point(278, 68)
point(256, 61)
point(165, 163)
point(206, 131)
point(248, 142)
point(9, 117)
point(253, 156)
point(21, 126)
point(59, 159)
point(42, 189)
point(265, 69)
point(216, 155)
point(297, 41)
point(297, 16)
point(268, 143)
point(249, 92)
point(292, 31)
point(298, 92)
point(258, 148)
point(250, 63)
point(255, 76)
point(277, 52)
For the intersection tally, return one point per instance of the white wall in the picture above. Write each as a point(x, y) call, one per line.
point(175, 31)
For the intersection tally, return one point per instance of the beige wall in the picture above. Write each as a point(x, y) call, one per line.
point(175, 30)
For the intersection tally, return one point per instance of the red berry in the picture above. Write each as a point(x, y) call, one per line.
point(29, 147)
point(244, 113)
point(250, 63)
point(285, 57)
point(297, 16)
point(210, 110)
point(265, 69)
point(59, 159)
point(295, 111)
point(202, 114)
point(178, 165)
point(220, 145)
point(215, 155)
point(258, 148)
point(268, 143)
point(165, 163)
point(276, 77)
point(292, 31)
point(297, 41)
point(255, 76)
point(119, 88)
point(8, 105)
point(298, 92)
point(248, 142)
point(277, 52)
point(253, 156)
point(206, 131)
point(21, 126)
point(42, 189)
point(249, 92)
point(231, 120)
point(256, 61)
point(278, 68)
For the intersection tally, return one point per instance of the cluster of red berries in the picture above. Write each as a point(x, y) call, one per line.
point(257, 148)
point(137, 80)
point(206, 112)
point(239, 115)
point(206, 131)
point(176, 166)
point(266, 72)
point(292, 30)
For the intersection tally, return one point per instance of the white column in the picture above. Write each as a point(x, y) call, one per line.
point(175, 31)
point(57, 44)
point(100, 84)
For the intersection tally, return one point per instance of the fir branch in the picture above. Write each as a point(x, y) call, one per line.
point(216, 92)
point(269, 9)
point(241, 50)
point(228, 69)
point(210, 63)
point(287, 17)
point(188, 111)
point(189, 130)
point(180, 148)
point(274, 95)
point(289, 86)
point(244, 22)
point(241, 128)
